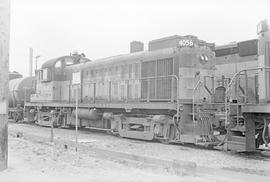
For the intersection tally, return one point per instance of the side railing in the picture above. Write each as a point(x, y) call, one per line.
point(236, 83)
point(173, 90)
point(198, 85)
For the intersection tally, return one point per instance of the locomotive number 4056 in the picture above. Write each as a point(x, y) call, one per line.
point(186, 43)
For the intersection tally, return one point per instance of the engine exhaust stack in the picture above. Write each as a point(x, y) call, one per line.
point(136, 46)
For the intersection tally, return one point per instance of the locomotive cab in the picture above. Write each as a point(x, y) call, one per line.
point(53, 79)
point(54, 70)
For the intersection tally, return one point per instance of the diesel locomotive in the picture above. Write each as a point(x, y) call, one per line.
point(144, 95)
point(181, 90)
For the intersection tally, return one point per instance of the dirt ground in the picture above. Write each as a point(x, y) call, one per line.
point(42, 161)
point(201, 156)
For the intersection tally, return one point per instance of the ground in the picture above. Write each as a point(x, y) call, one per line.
point(39, 160)
point(30, 161)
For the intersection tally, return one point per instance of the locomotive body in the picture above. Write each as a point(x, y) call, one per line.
point(145, 95)
point(256, 113)
point(247, 93)
point(230, 60)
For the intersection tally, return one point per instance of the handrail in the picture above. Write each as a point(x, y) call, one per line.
point(229, 86)
point(193, 94)
point(239, 72)
point(193, 99)
point(156, 77)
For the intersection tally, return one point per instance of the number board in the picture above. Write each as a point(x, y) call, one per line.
point(186, 43)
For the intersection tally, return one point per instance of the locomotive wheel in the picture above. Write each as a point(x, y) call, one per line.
point(13, 115)
point(16, 118)
point(113, 133)
point(165, 141)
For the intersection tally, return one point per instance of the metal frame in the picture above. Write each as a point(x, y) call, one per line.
point(205, 87)
point(229, 87)
point(140, 79)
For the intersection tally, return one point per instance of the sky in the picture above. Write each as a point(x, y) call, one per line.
point(103, 28)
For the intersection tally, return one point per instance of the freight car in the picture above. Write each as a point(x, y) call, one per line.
point(20, 90)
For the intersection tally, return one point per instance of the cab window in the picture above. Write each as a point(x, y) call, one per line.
point(58, 64)
point(44, 75)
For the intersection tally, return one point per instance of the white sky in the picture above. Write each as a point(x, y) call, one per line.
point(102, 28)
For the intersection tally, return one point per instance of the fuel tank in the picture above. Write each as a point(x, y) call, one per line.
point(89, 114)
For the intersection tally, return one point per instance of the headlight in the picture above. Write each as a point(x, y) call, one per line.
point(204, 59)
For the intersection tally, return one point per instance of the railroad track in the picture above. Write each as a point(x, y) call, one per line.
point(258, 155)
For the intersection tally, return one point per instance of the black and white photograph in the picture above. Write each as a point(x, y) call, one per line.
point(134, 90)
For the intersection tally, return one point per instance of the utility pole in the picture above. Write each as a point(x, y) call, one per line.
point(76, 81)
point(30, 61)
point(4, 70)
point(76, 127)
